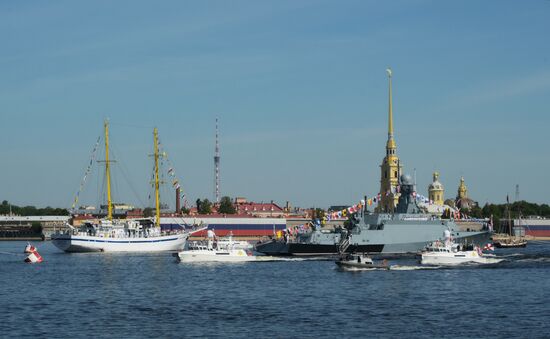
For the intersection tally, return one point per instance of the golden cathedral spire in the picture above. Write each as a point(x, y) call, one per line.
point(390, 168)
point(390, 112)
point(390, 145)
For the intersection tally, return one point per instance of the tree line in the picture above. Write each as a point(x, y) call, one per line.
point(30, 210)
point(517, 208)
point(205, 206)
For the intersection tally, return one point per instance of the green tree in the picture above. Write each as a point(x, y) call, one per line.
point(475, 211)
point(61, 211)
point(36, 227)
point(28, 210)
point(184, 210)
point(318, 213)
point(205, 207)
point(4, 208)
point(226, 206)
point(148, 212)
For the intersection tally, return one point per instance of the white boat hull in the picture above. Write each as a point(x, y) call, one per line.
point(238, 255)
point(86, 243)
point(456, 258)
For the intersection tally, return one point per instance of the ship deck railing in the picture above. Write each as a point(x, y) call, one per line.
point(126, 235)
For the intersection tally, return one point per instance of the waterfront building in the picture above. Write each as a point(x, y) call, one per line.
point(436, 190)
point(260, 210)
point(240, 226)
point(16, 226)
point(248, 209)
point(390, 168)
point(534, 227)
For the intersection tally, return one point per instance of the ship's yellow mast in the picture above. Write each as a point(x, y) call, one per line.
point(157, 194)
point(108, 172)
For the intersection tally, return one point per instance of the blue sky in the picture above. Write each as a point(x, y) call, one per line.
point(299, 87)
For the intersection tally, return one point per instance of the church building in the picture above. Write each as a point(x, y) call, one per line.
point(436, 191)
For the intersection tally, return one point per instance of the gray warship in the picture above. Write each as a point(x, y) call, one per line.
point(398, 227)
point(407, 231)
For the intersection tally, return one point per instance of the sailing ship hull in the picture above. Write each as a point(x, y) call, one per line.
point(508, 241)
point(511, 245)
point(85, 243)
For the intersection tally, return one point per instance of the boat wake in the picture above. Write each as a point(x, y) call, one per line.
point(10, 253)
point(257, 259)
point(413, 268)
point(513, 255)
point(526, 259)
point(357, 269)
point(264, 258)
point(494, 260)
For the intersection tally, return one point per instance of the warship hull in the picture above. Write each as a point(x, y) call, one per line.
point(305, 249)
point(399, 239)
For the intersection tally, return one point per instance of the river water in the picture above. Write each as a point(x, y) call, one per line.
point(151, 295)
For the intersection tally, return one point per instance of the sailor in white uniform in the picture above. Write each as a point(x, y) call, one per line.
point(211, 238)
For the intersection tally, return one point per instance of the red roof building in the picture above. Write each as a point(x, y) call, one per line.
point(261, 210)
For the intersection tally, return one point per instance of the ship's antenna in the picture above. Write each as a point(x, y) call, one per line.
point(217, 167)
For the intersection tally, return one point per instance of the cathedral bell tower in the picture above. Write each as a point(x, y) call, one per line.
point(436, 190)
point(462, 190)
point(390, 168)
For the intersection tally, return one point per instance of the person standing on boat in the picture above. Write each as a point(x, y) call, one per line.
point(448, 239)
point(211, 238)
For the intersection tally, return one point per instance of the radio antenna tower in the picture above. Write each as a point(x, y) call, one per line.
point(217, 168)
point(517, 192)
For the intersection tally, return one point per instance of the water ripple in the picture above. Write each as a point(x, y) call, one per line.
point(140, 296)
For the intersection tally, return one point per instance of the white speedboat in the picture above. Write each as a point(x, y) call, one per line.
point(118, 236)
point(450, 253)
point(218, 242)
point(223, 250)
point(204, 255)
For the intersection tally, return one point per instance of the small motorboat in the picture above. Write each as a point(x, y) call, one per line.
point(355, 261)
point(360, 261)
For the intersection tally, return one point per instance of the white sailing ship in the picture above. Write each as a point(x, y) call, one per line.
point(130, 235)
